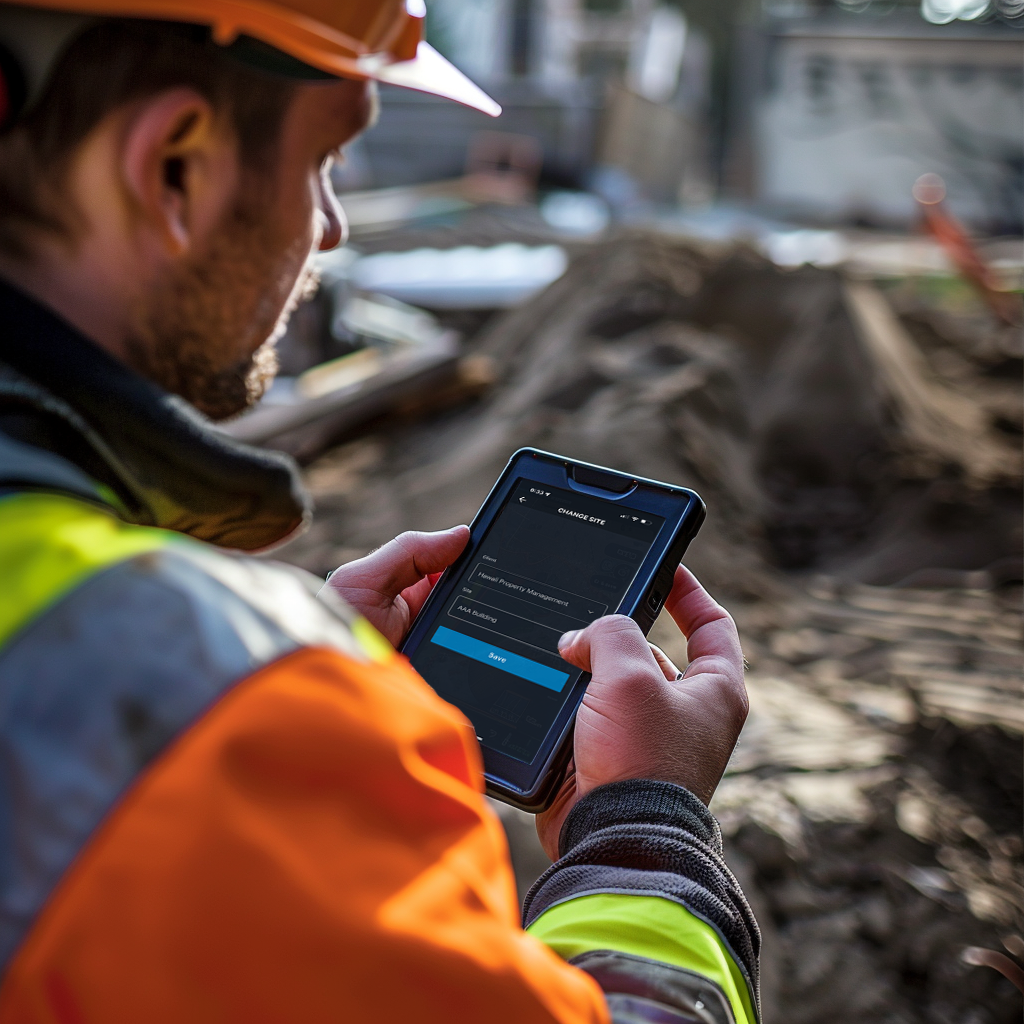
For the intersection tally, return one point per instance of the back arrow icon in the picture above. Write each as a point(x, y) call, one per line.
point(521, 500)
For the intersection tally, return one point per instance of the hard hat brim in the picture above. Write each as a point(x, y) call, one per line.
point(431, 73)
point(306, 39)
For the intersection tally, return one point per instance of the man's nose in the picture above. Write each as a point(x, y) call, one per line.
point(334, 225)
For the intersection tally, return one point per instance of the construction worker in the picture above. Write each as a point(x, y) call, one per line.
point(224, 797)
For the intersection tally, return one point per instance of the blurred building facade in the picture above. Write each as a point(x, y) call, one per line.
point(847, 112)
point(821, 111)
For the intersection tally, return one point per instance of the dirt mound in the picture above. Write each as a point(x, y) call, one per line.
point(795, 401)
point(820, 433)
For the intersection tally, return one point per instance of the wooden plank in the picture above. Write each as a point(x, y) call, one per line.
point(973, 707)
point(397, 381)
point(305, 429)
point(896, 626)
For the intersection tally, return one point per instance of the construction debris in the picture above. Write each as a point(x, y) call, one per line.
point(858, 443)
point(874, 802)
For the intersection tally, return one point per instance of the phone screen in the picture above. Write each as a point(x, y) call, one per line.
point(552, 560)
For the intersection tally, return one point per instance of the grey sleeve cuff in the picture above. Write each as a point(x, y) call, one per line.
point(648, 838)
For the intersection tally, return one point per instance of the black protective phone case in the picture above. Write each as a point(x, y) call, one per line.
point(642, 603)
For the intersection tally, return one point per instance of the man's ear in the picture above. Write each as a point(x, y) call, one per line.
point(180, 166)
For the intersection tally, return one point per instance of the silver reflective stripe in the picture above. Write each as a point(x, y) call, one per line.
point(100, 684)
point(284, 593)
point(643, 991)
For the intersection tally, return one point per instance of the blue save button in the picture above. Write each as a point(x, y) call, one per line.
point(505, 660)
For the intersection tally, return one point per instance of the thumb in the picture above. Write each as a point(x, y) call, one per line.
point(612, 647)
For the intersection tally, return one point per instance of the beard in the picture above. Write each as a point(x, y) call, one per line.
point(208, 331)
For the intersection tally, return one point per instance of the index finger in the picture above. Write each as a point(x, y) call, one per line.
point(709, 629)
point(402, 562)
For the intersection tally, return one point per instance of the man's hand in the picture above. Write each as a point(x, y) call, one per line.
point(389, 586)
point(638, 720)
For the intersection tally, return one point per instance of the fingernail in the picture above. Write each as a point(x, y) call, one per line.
point(568, 639)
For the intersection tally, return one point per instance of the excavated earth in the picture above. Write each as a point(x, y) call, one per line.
point(858, 444)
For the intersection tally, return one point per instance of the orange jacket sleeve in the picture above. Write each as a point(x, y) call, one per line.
point(315, 847)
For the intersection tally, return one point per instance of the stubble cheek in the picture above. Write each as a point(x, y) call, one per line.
point(295, 279)
point(294, 285)
point(298, 278)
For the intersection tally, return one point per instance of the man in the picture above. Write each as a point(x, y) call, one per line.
point(225, 798)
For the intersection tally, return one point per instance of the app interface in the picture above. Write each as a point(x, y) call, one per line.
point(553, 560)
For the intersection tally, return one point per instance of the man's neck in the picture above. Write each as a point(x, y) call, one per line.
point(80, 290)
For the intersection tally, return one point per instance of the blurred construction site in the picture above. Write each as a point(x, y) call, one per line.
point(772, 252)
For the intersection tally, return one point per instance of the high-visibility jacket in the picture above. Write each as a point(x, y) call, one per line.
point(224, 798)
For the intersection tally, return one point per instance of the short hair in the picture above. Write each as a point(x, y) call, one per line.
point(113, 62)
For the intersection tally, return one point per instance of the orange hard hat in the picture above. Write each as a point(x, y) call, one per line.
point(364, 39)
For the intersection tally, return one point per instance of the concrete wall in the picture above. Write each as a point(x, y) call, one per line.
point(850, 116)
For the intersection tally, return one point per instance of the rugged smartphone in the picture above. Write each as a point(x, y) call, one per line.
point(557, 544)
